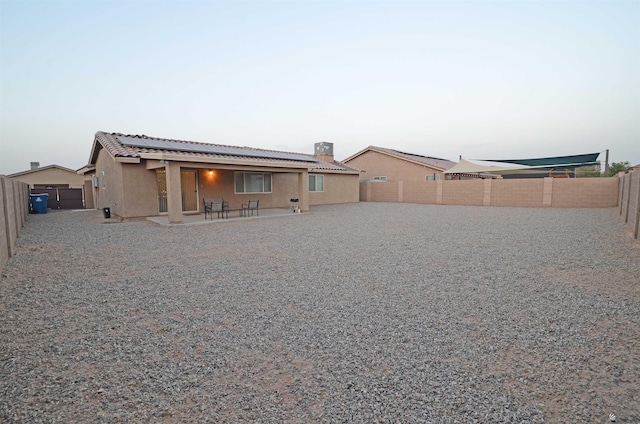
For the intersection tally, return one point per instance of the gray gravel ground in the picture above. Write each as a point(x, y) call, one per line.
point(362, 313)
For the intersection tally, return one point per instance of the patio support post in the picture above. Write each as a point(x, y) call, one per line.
point(303, 191)
point(174, 193)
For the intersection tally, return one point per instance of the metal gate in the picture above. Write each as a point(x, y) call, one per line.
point(161, 178)
point(62, 198)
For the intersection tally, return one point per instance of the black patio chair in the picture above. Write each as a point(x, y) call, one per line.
point(249, 208)
point(213, 205)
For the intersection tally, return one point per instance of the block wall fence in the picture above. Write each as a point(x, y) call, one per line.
point(629, 201)
point(622, 191)
point(14, 208)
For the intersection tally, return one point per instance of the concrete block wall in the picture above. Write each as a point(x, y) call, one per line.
point(629, 201)
point(426, 192)
point(383, 192)
point(526, 192)
point(463, 192)
point(590, 192)
point(14, 207)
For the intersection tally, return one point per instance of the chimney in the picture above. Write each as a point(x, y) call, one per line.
point(35, 165)
point(324, 151)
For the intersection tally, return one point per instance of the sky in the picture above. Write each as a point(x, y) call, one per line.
point(477, 79)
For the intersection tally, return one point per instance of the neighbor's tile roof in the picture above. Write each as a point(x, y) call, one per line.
point(42, 168)
point(111, 142)
point(437, 163)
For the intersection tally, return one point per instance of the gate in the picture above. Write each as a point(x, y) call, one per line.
point(62, 198)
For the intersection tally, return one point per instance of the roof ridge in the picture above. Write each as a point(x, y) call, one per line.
point(419, 155)
point(144, 136)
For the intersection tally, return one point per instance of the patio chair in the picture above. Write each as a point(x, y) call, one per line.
point(249, 208)
point(213, 205)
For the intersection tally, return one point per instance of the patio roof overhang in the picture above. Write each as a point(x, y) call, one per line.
point(160, 160)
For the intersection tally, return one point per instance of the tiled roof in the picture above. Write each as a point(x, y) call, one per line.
point(427, 160)
point(116, 148)
point(42, 168)
point(437, 163)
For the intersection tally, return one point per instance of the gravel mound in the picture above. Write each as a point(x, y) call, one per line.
point(369, 312)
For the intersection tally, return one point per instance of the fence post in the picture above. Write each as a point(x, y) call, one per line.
point(486, 199)
point(547, 192)
point(621, 182)
point(637, 218)
point(626, 212)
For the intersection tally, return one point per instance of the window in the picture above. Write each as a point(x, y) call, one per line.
point(434, 177)
point(380, 178)
point(104, 180)
point(316, 182)
point(253, 182)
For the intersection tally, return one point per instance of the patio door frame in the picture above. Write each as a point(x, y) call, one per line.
point(189, 190)
point(188, 186)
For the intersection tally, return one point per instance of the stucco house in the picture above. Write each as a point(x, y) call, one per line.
point(382, 164)
point(140, 176)
point(65, 187)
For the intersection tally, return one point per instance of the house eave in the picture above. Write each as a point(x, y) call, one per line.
point(213, 161)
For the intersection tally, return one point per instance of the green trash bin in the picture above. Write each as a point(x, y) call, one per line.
point(39, 202)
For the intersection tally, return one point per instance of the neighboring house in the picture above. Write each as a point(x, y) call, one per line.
point(65, 187)
point(139, 176)
point(380, 164)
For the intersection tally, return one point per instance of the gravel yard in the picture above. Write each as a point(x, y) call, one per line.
point(369, 312)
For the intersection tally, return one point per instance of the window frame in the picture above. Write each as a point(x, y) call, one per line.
point(244, 182)
point(316, 177)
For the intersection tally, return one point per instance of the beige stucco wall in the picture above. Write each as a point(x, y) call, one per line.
point(112, 195)
point(52, 176)
point(221, 183)
point(88, 195)
point(378, 164)
point(140, 194)
point(338, 188)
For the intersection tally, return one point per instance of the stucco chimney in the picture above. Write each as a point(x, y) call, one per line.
point(35, 165)
point(324, 151)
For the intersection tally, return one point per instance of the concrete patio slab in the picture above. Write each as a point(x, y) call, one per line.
point(199, 219)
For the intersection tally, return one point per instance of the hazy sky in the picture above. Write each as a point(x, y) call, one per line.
point(481, 79)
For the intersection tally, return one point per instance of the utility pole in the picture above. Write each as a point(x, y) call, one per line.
point(606, 163)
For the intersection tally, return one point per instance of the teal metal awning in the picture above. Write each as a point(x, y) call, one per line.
point(573, 161)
